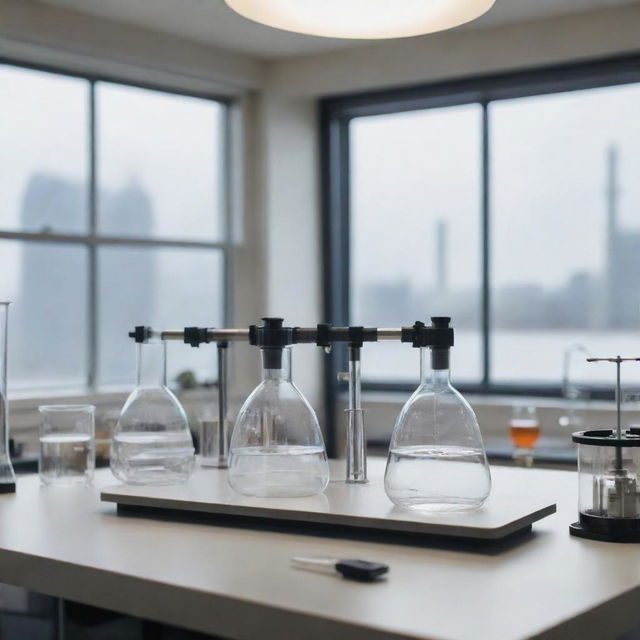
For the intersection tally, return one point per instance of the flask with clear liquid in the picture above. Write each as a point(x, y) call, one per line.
point(277, 448)
point(437, 460)
point(152, 443)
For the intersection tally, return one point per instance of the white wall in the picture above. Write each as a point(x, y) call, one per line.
point(277, 267)
point(460, 52)
point(48, 35)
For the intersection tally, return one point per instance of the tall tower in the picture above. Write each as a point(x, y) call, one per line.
point(612, 272)
point(441, 256)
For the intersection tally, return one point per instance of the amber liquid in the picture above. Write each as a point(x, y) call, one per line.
point(524, 433)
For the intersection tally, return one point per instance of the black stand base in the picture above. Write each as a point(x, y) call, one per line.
point(7, 487)
point(606, 529)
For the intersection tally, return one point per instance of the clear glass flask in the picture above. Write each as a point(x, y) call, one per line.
point(437, 461)
point(7, 476)
point(152, 443)
point(277, 448)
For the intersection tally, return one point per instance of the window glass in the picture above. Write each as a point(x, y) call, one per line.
point(43, 151)
point(48, 319)
point(160, 164)
point(415, 232)
point(161, 287)
point(565, 236)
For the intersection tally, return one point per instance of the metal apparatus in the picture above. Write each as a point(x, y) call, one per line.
point(322, 335)
point(608, 469)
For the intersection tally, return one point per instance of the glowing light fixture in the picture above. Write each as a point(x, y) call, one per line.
point(364, 19)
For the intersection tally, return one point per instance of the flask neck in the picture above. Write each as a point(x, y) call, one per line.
point(276, 363)
point(152, 364)
point(434, 367)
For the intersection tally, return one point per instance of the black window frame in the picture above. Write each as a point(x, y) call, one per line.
point(336, 112)
point(93, 239)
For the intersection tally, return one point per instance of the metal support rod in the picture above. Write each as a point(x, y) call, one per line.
point(618, 416)
point(389, 334)
point(337, 334)
point(228, 335)
point(223, 435)
point(618, 360)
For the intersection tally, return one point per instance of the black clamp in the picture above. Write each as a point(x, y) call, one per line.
point(437, 336)
point(415, 334)
point(323, 337)
point(195, 336)
point(271, 334)
point(140, 334)
point(355, 336)
point(272, 337)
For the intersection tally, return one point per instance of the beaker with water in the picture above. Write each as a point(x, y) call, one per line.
point(67, 444)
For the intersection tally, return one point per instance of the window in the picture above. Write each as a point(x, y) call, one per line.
point(509, 203)
point(112, 214)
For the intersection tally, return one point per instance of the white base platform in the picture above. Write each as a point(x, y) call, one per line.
point(356, 508)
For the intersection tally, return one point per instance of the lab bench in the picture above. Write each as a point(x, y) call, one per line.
point(236, 582)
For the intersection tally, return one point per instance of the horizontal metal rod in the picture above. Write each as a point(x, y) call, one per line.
point(228, 335)
point(389, 334)
point(172, 335)
point(336, 334)
point(215, 335)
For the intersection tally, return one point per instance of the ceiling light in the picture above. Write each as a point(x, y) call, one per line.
point(365, 19)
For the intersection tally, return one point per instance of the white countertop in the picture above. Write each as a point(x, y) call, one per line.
point(238, 583)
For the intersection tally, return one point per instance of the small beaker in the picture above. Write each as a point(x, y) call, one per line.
point(67, 444)
point(524, 428)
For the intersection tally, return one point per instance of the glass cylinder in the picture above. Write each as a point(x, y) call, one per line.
point(276, 445)
point(67, 444)
point(437, 460)
point(608, 477)
point(7, 476)
point(152, 443)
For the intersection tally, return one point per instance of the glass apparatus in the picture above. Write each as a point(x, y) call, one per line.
point(575, 390)
point(214, 434)
point(7, 476)
point(524, 429)
point(437, 460)
point(277, 448)
point(67, 444)
point(608, 472)
point(152, 443)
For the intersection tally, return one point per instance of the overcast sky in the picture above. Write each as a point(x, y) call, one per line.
point(169, 145)
point(548, 187)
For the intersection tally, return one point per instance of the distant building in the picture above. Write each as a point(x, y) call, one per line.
point(50, 326)
point(623, 259)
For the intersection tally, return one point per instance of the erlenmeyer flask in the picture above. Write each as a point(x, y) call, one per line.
point(277, 448)
point(7, 476)
point(152, 443)
point(437, 461)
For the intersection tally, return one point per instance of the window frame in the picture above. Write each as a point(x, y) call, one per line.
point(336, 112)
point(93, 240)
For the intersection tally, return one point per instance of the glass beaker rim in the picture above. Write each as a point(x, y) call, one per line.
point(52, 408)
